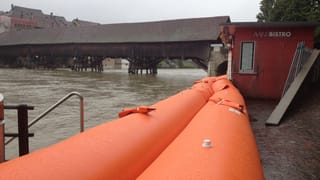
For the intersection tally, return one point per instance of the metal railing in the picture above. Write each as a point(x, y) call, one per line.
point(63, 99)
point(300, 57)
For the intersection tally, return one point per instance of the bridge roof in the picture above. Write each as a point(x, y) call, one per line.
point(197, 29)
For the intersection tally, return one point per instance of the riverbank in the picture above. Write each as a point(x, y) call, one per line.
point(292, 149)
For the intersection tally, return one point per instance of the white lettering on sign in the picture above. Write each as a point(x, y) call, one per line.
point(276, 34)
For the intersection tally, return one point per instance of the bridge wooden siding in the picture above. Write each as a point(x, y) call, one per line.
point(197, 50)
point(186, 38)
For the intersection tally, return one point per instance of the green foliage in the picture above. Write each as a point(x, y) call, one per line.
point(290, 10)
point(266, 10)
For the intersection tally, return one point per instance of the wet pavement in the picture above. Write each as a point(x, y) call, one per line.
point(292, 149)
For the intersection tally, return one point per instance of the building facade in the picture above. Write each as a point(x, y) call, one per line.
point(19, 18)
point(262, 54)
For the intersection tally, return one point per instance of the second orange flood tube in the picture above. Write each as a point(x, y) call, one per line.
point(218, 143)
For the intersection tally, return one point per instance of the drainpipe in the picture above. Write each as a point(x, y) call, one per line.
point(2, 148)
point(229, 68)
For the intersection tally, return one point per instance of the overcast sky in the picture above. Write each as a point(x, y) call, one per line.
point(121, 11)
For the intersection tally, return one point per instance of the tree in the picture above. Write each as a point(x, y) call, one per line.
point(290, 10)
point(265, 8)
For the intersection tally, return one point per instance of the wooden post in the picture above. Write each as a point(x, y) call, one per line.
point(23, 129)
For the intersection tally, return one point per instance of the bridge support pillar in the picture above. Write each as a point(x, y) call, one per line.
point(139, 66)
point(217, 64)
point(87, 62)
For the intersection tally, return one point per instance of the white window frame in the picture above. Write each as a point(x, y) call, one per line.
point(247, 62)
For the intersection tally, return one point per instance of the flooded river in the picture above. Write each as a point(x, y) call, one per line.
point(105, 94)
point(288, 151)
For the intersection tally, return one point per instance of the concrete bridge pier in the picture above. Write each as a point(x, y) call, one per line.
point(218, 63)
point(141, 65)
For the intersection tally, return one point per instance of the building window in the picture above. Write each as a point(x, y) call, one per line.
point(247, 57)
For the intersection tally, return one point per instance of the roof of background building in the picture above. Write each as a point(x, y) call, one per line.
point(23, 12)
point(79, 22)
point(272, 24)
point(197, 29)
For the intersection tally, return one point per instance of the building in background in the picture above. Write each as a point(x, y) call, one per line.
point(114, 63)
point(19, 18)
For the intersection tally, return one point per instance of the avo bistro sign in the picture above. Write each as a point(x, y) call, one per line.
point(272, 34)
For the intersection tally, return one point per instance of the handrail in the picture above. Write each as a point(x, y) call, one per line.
point(35, 120)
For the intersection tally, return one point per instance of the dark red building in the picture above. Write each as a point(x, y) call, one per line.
point(20, 24)
point(262, 54)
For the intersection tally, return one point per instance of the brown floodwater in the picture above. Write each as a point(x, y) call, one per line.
point(105, 94)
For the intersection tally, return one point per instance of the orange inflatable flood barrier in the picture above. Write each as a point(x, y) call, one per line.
point(162, 141)
point(218, 143)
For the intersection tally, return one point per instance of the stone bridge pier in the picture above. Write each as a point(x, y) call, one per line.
point(218, 63)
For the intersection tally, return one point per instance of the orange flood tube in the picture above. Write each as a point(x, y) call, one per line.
point(120, 149)
point(218, 143)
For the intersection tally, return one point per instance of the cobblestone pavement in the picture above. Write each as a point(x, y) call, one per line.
point(292, 149)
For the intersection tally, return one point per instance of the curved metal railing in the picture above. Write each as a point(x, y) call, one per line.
point(63, 99)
